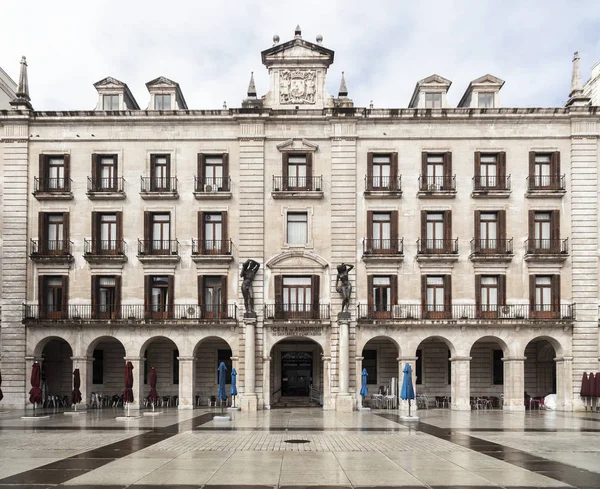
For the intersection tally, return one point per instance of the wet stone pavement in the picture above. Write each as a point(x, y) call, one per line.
point(299, 448)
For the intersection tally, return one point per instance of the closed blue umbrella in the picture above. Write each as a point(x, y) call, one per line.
point(407, 392)
point(222, 393)
point(364, 391)
point(233, 390)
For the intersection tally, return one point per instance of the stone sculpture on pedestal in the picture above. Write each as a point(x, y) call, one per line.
point(249, 270)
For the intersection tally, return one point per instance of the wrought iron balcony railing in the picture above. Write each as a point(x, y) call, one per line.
point(130, 312)
point(50, 185)
point(546, 182)
point(492, 246)
point(547, 246)
point(212, 247)
point(104, 247)
point(60, 247)
point(482, 183)
point(107, 185)
point(212, 184)
point(437, 246)
point(393, 246)
point(148, 247)
point(158, 184)
point(437, 184)
point(376, 183)
point(302, 184)
point(415, 312)
point(291, 312)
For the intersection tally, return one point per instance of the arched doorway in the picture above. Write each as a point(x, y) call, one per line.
point(57, 373)
point(162, 354)
point(296, 373)
point(209, 354)
point(107, 381)
point(433, 371)
point(380, 358)
point(487, 373)
point(540, 372)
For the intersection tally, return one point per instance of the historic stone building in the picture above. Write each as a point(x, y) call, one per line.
point(469, 235)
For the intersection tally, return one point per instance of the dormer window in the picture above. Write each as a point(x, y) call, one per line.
point(433, 100)
point(162, 101)
point(482, 93)
point(110, 101)
point(430, 93)
point(485, 100)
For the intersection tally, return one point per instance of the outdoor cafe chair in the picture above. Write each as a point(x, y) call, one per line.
point(212, 401)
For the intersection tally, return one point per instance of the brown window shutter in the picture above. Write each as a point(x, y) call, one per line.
point(370, 228)
point(95, 172)
point(448, 230)
point(42, 233)
point(171, 304)
point(66, 233)
point(96, 232)
point(316, 291)
point(225, 184)
point(394, 231)
point(501, 290)
point(501, 172)
point(531, 167)
point(152, 169)
point(532, 295)
point(42, 296)
point(531, 230)
point(147, 231)
point(394, 289)
point(477, 233)
point(477, 169)
point(555, 228)
point(309, 171)
point(370, 298)
point(119, 243)
point(394, 172)
point(65, 296)
point(95, 294)
point(448, 169)
point(556, 294)
point(424, 296)
point(278, 281)
point(117, 297)
point(168, 171)
point(555, 166)
point(200, 232)
point(424, 171)
point(116, 173)
point(224, 234)
point(67, 160)
point(201, 165)
point(284, 170)
point(43, 173)
point(478, 295)
point(369, 185)
point(424, 236)
point(224, 311)
point(147, 296)
point(448, 295)
point(502, 228)
point(201, 291)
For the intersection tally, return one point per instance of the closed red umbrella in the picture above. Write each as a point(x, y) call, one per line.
point(592, 385)
point(128, 392)
point(76, 394)
point(35, 394)
point(585, 386)
point(153, 395)
point(597, 385)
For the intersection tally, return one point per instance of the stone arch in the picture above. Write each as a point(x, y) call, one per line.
point(365, 337)
point(214, 337)
point(272, 341)
point(89, 351)
point(297, 258)
point(57, 368)
point(41, 344)
point(559, 348)
point(543, 355)
point(450, 343)
point(153, 338)
point(506, 349)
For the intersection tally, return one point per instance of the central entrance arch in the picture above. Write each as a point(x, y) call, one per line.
point(296, 373)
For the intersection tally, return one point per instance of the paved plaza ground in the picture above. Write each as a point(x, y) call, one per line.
point(187, 449)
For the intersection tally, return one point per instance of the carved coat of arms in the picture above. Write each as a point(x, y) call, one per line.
point(297, 87)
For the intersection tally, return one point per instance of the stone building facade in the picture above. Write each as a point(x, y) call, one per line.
point(470, 237)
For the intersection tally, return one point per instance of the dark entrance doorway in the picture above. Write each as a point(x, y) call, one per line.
point(296, 373)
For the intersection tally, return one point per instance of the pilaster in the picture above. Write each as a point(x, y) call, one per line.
point(514, 383)
point(460, 389)
point(187, 382)
point(564, 383)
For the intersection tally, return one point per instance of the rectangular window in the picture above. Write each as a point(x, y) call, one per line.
point(213, 173)
point(485, 100)
point(435, 294)
point(382, 172)
point(543, 233)
point(435, 237)
point(382, 295)
point(498, 367)
point(297, 228)
point(161, 233)
point(107, 296)
point(110, 102)
point(225, 357)
point(213, 233)
point(419, 368)
point(297, 172)
point(435, 172)
point(297, 296)
point(56, 173)
point(488, 171)
point(175, 367)
point(53, 303)
point(162, 101)
point(107, 173)
point(382, 231)
point(159, 296)
point(98, 367)
point(160, 173)
point(108, 233)
point(370, 363)
point(56, 234)
point(542, 170)
point(433, 100)
point(489, 293)
point(543, 293)
point(212, 296)
point(488, 231)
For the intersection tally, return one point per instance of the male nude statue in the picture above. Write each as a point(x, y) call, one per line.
point(249, 269)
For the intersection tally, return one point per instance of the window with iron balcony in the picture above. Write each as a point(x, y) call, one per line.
point(213, 180)
point(53, 182)
point(53, 243)
point(105, 182)
point(490, 178)
point(436, 179)
point(161, 184)
point(297, 179)
point(545, 179)
point(382, 179)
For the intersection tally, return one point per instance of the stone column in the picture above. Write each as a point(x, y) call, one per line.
point(249, 398)
point(564, 383)
point(460, 388)
point(412, 361)
point(514, 383)
point(138, 380)
point(267, 382)
point(344, 400)
point(187, 382)
point(85, 366)
point(327, 406)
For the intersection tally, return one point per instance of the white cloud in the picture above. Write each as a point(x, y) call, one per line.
point(383, 46)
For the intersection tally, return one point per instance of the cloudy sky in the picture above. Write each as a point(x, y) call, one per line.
point(384, 47)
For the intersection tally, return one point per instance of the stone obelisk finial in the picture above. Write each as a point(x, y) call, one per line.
point(576, 96)
point(251, 86)
point(298, 33)
point(22, 99)
point(343, 91)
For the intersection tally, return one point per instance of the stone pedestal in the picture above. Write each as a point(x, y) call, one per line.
point(187, 382)
point(460, 388)
point(514, 383)
point(85, 365)
point(138, 380)
point(249, 398)
point(564, 383)
point(344, 401)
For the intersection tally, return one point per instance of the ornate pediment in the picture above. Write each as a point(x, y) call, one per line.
point(297, 50)
point(162, 82)
point(110, 82)
point(298, 145)
point(488, 80)
point(297, 261)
